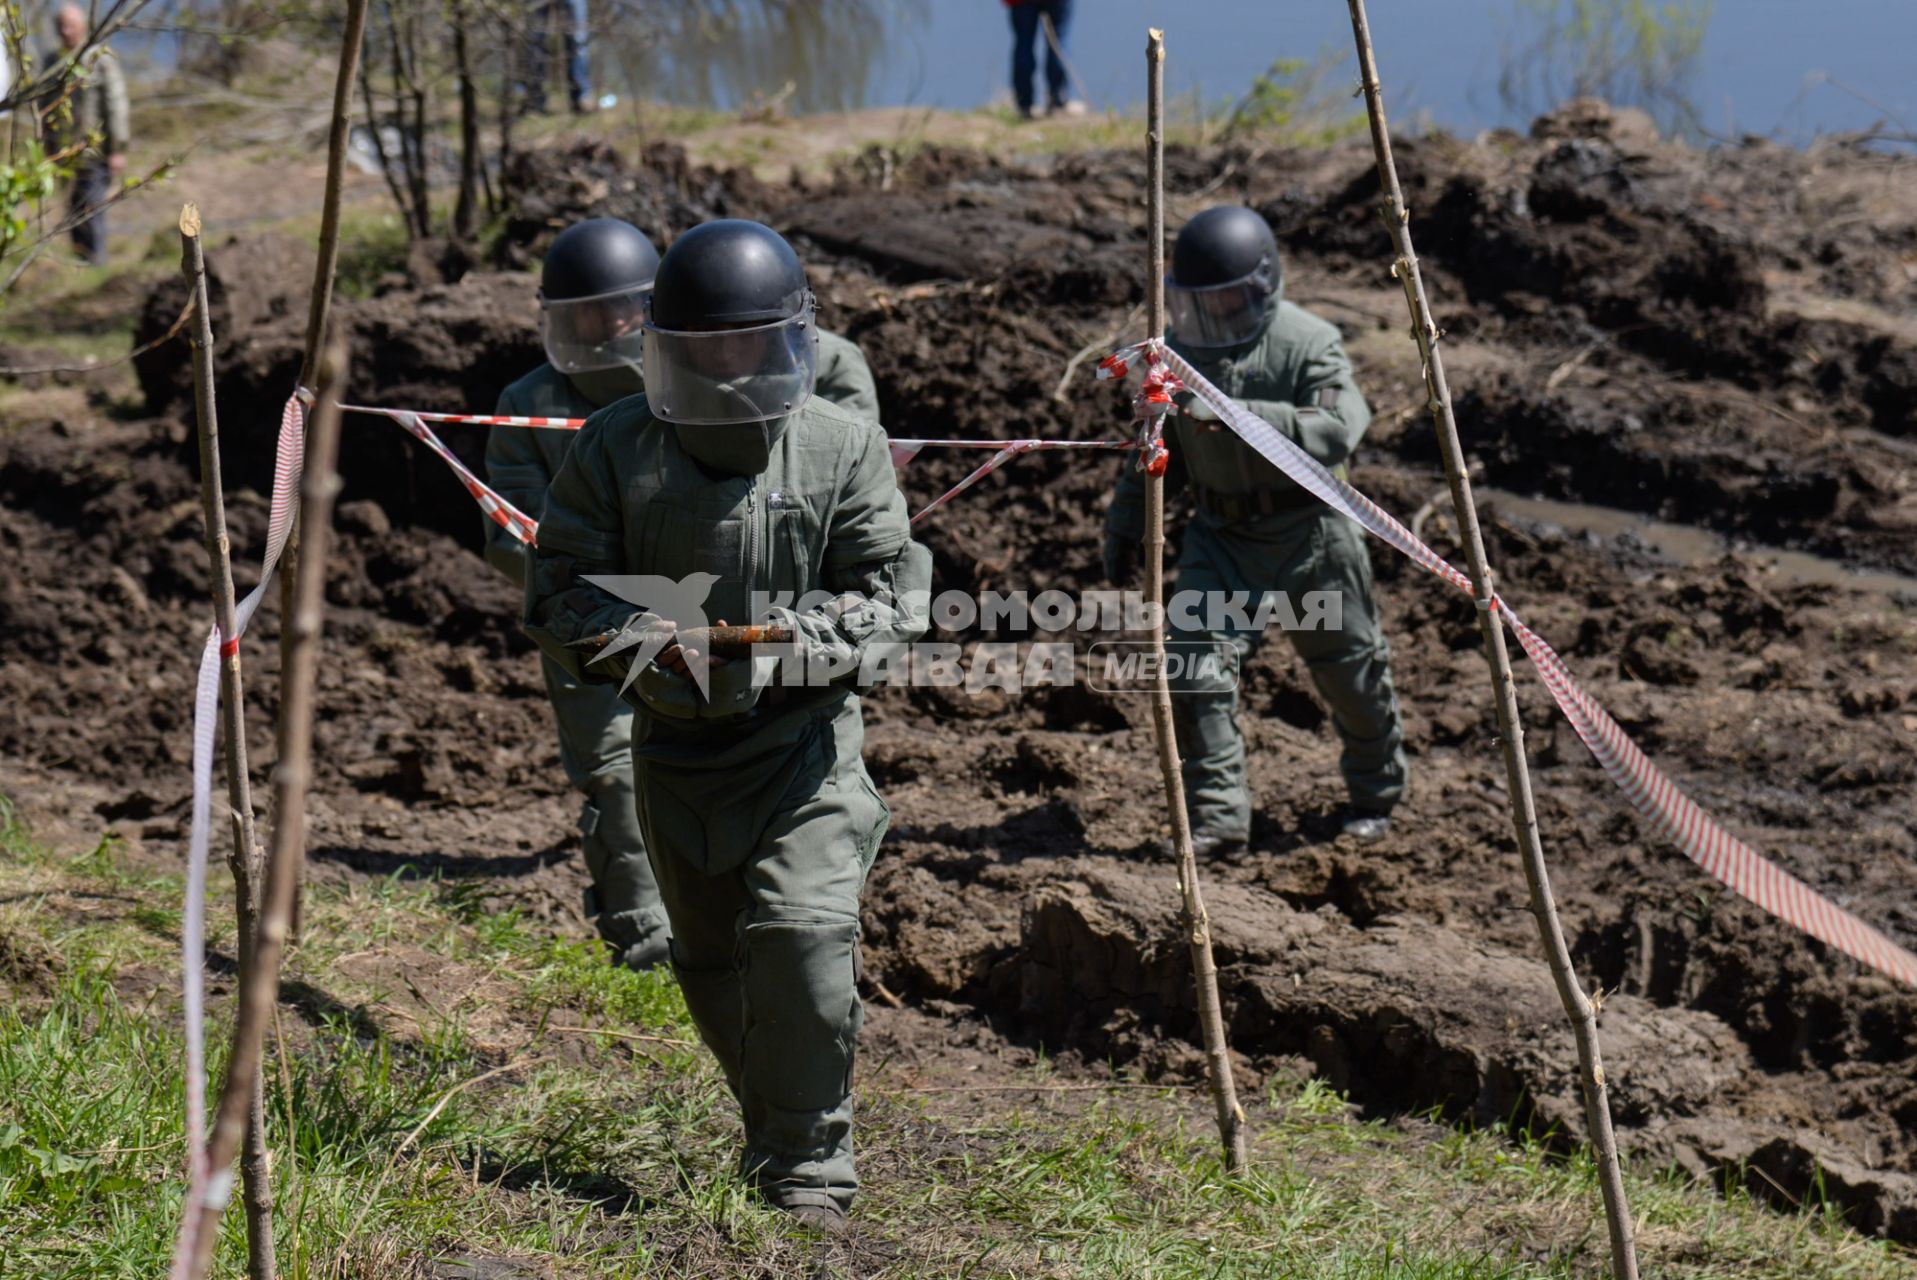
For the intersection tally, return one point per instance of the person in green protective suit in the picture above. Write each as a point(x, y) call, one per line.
point(1256, 531)
point(731, 491)
point(593, 286)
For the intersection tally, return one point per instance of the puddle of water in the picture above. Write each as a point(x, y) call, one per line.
point(1687, 544)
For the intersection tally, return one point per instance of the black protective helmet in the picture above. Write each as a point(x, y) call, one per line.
point(595, 257)
point(592, 300)
point(1223, 277)
point(729, 335)
point(727, 272)
point(1222, 245)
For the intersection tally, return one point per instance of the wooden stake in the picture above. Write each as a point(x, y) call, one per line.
point(259, 987)
point(1524, 816)
point(257, 1192)
point(1211, 1017)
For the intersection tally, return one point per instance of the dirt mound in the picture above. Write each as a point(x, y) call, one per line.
point(1713, 338)
point(662, 194)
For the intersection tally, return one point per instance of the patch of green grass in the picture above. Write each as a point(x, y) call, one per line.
point(15, 841)
point(89, 1130)
point(372, 243)
point(402, 1139)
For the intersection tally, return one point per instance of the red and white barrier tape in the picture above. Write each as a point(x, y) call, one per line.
point(903, 451)
point(475, 419)
point(1672, 815)
point(204, 1185)
point(500, 511)
point(526, 529)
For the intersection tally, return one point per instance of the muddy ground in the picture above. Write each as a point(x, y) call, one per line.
point(1722, 340)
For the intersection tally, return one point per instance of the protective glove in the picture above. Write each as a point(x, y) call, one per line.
point(1122, 555)
point(1196, 409)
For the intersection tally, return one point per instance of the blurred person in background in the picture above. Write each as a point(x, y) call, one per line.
point(541, 16)
point(93, 118)
point(1029, 19)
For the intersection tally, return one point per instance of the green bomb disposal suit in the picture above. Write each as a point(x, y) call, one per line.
point(755, 804)
point(595, 724)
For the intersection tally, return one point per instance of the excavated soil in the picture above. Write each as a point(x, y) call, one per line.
point(1720, 339)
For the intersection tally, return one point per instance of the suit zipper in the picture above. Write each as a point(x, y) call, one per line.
point(752, 544)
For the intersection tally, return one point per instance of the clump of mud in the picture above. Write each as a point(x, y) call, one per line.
point(1715, 338)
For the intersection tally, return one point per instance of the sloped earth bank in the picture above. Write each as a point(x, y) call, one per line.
point(1716, 339)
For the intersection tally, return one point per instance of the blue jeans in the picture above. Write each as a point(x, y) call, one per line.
point(1026, 29)
point(541, 15)
point(92, 184)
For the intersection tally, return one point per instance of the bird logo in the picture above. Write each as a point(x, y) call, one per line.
point(666, 607)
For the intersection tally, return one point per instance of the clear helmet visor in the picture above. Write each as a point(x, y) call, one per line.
point(732, 375)
point(1219, 315)
point(585, 335)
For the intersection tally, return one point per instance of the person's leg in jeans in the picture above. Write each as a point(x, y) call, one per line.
point(1024, 57)
point(578, 78)
point(86, 203)
point(1060, 12)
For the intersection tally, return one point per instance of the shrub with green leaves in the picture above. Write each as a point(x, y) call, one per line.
point(27, 180)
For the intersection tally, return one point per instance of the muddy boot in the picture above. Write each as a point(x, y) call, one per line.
point(1366, 827)
point(649, 951)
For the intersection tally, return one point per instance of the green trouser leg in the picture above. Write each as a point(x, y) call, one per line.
point(767, 956)
point(595, 745)
point(1350, 663)
point(1205, 706)
point(1351, 667)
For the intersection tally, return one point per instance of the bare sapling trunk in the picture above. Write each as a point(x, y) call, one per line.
point(512, 48)
point(388, 162)
point(255, 1169)
point(466, 209)
point(259, 990)
point(416, 137)
point(1211, 1016)
point(409, 183)
point(1524, 819)
point(319, 304)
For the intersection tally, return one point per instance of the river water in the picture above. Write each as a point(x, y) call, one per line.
point(1787, 68)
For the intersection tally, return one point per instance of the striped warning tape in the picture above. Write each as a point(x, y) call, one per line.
point(289, 456)
point(476, 419)
point(526, 529)
point(500, 511)
point(903, 451)
point(1673, 815)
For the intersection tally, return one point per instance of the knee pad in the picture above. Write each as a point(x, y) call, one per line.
point(802, 1014)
